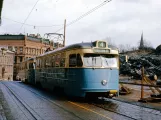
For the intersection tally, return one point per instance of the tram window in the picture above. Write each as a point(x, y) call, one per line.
point(72, 60)
point(48, 62)
point(25, 65)
point(57, 60)
point(98, 60)
point(62, 62)
point(53, 61)
point(40, 63)
point(79, 61)
point(37, 63)
point(31, 65)
point(43, 62)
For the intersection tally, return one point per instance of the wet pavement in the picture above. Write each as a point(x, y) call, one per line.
point(2, 114)
point(27, 102)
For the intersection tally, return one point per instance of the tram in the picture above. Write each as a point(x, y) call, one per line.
point(88, 69)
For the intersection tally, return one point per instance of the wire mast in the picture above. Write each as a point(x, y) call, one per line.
point(58, 38)
point(64, 32)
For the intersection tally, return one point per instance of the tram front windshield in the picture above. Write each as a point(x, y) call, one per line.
point(100, 60)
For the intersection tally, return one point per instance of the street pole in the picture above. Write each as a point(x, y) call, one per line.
point(64, 32)
point(142, 82)
point(142, 87)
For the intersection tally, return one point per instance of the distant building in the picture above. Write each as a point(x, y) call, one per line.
point(25, 46)
point(141, 46)
point(6, 64)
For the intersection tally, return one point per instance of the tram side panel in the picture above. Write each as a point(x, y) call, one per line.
point(99, 82)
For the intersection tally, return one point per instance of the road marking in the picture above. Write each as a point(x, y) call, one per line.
point(90, 110)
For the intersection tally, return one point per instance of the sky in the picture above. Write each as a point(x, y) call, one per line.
point(120, 21)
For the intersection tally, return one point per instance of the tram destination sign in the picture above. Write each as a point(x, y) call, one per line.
point(101, 50)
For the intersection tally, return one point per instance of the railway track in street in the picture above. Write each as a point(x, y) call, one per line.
point(111, 110)
point(28, 112)
point(120, 108)
point(42, 97)
point(33, 113)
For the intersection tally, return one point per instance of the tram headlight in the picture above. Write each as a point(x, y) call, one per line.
point(104, 82)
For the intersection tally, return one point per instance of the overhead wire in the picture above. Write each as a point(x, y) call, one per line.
point(31, 24)
point(86, 14)
point(70, 23)
point(24, 23)
point(28, 15)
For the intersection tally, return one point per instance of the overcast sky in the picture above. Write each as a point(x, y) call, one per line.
point(120, 20)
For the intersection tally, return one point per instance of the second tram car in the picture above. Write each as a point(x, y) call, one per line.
point(84, 69)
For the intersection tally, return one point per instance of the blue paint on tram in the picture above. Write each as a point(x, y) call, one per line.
point(83, 69)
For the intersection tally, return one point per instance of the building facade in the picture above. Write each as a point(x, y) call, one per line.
point(25, 46)
point(6, 64)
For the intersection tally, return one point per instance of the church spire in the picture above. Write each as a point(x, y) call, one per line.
point(141, 42)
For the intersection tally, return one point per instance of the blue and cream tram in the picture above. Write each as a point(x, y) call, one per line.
point(83, 69)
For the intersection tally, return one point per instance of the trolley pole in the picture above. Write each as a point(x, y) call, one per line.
point(64, 32)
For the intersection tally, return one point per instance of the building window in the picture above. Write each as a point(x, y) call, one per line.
point(21, 58)
point(29, 49)
point(26, 51)
point(15, 49)
point(15, 60)
point(10, 48)
point(21, 49)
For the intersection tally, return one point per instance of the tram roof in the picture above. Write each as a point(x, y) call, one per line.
point(85, 45)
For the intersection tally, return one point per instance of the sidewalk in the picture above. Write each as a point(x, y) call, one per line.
point(2, 114)
point(135, 95)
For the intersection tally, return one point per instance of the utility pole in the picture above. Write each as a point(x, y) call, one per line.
point(1, 6)
point(64, 31)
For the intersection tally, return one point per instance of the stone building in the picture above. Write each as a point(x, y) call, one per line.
point(25, 46)
point(6, 64)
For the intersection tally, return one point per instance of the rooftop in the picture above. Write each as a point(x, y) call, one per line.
point(31, 37)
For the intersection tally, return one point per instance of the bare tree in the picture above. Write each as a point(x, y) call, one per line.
point(147, 45)
point(125, 48)
point(109, 41)
point(121, 48)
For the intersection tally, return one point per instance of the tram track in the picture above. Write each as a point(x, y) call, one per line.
point(33, 114)
point(103, 107)
point(70, 102)
point(102, 104)
point(54, 103)
point(97, 104)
